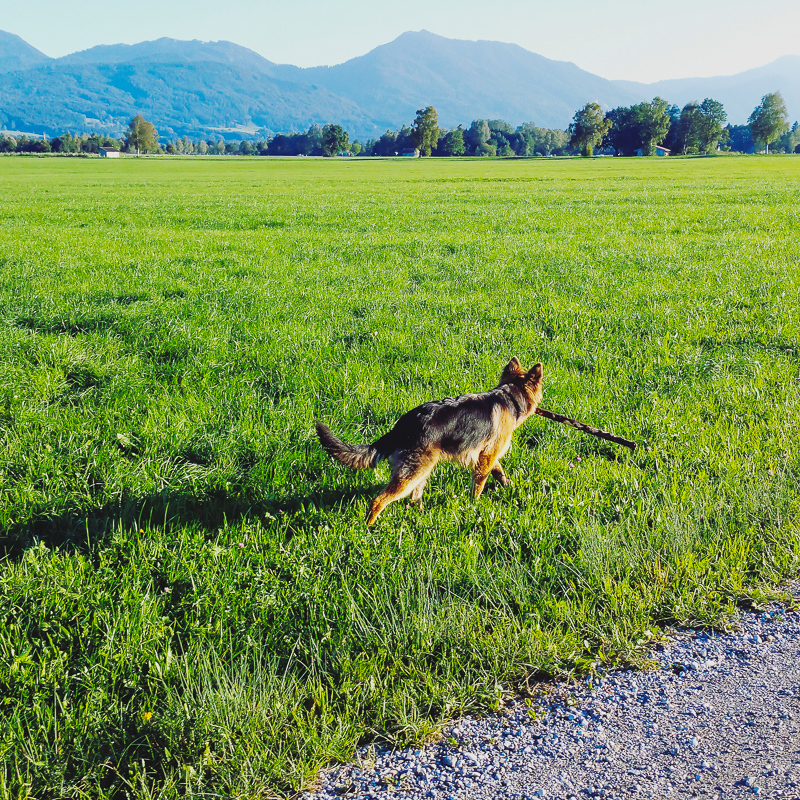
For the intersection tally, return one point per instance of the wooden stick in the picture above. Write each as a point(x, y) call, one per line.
point(543, 412)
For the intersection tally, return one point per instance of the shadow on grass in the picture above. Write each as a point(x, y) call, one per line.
point(587, 446)
point(83, 529)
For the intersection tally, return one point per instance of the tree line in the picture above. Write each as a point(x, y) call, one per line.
point(695, 128)
point(482, 138)
point(492, 137)
point(66, 143)
point(698, 127)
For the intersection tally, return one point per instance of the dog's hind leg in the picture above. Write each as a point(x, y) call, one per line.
point(409, 477)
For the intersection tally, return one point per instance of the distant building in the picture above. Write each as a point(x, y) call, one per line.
point(109, 152)
point(658, 151)
point(410, 153)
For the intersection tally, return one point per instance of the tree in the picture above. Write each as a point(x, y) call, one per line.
point(386, 145)
point(26, 145)
point(314, 141)
point(670, 141)
point(66, 143)
point(452, 144)
point(623, 135)
point(740, 138)
point(655, 122)
point(282, 144)
point(476, 137)
point(530, 140)
point(790, 141)
point(525, 139)
point(334, 139)
point(588, 127)
point(405, 139)
point(712, 118)
point(687, 138)
point(639, 127)
point(500, 126)
point(425, 130)
point(141, 136)
point(769, 120)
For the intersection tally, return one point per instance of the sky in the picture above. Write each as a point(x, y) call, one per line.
point(618, 39)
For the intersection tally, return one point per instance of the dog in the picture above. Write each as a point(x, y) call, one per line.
point(474, 430)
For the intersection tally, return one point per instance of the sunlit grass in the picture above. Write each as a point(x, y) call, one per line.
point(190, 602)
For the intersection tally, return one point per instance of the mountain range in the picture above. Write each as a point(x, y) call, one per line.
point(213, 89)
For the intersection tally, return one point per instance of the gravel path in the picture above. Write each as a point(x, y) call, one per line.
point(719, 718)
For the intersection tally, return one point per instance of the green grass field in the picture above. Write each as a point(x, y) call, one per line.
point(190, 603)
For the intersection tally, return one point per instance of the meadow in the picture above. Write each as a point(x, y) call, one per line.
point(190, 602)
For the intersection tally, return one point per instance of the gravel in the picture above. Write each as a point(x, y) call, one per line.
point(718, 718)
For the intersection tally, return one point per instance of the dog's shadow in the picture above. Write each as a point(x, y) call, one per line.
point(587, 448)
point(84, 529)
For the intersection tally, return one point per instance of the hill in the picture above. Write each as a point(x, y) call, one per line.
point(739, 93)
point(173, 51)
point(195, 88)
point(210, 89)
point(465, 80)
point(17, 54)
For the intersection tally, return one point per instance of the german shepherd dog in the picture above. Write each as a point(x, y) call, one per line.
point(474, 430)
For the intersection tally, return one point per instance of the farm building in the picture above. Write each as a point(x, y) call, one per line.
point(109, 152)
point(658, 151)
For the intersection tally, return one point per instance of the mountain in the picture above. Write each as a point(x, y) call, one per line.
point(210, 89)
point(739, 93)
point(196, 88)
point(173, 51)
point(16, 54)
point(464, 80)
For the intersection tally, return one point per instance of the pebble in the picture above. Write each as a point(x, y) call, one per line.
point(699, 725)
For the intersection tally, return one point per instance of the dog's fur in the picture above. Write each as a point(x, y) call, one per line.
point(474, 429)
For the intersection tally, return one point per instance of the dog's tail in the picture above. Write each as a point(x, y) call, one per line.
point(357, 456)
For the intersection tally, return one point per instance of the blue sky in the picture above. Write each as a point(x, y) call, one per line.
point(627, 39)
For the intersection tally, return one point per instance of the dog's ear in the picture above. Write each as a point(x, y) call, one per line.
point(535, 373)
point(514, 367)
point(511, 371)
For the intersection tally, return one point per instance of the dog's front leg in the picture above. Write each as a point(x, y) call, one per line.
point(416, 496)
point(499, 475)
point(481, 474)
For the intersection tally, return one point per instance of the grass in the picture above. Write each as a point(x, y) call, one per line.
point(190, 603)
